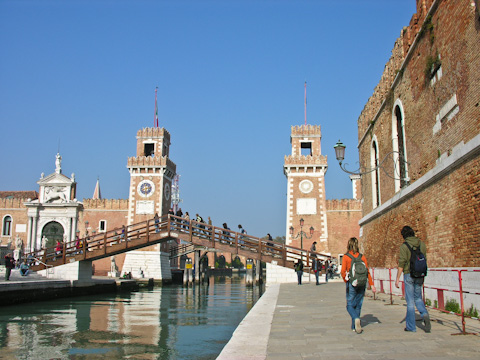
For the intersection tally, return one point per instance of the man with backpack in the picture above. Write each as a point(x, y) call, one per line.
point(356, 275)
point(412, 262)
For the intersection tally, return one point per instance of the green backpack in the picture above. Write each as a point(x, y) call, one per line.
point(358, 274)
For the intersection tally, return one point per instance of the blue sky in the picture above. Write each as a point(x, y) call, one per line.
point(81, 76)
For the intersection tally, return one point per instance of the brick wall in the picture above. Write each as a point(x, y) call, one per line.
point(441, 114)
point(342, 218)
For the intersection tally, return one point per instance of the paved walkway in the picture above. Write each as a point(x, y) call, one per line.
point(311, 322)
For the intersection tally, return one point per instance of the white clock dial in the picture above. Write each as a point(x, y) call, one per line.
point(166, 191)
point(146, 188)
point(305, 186)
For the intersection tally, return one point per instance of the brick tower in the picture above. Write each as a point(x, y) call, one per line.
point(151, 175)
point(305, 170)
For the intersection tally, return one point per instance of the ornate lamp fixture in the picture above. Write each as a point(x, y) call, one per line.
point(397, 157)
point(301, 233)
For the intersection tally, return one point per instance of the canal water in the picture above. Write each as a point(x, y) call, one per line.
point(170, 322)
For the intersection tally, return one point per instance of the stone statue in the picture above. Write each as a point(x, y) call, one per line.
point(9, 243)
point(17, 253)
point(54, 194)
point(58, 164)
point(44, 242)
point(113, 268)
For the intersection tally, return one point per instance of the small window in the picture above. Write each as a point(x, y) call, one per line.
point(149, 149)
point(306, 148)
point(102, 226)
point(7, 226)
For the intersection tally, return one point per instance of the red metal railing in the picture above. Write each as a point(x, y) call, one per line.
point(440, 289)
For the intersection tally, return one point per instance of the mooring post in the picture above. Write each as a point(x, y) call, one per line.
point(249, 274)
point(197, 267)
point(187, 272)
point(258, 272)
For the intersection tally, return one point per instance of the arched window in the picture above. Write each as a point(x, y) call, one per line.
point(375, 175)
point(7, 226)
point(399, 148)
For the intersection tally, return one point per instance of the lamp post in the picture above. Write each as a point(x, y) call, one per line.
point(301, 233)
point(398, 161)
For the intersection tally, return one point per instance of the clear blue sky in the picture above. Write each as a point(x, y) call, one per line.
point(81, 75)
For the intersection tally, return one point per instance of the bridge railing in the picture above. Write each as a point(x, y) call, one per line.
point(169, 226)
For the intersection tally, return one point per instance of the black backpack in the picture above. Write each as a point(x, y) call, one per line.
point(358, 274)
point(418, 263)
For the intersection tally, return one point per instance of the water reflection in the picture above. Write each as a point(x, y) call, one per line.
point(172, 322)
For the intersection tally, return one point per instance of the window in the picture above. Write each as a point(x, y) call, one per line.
point(399, 148)
point(149, 149)
point(375, 175)
point(7, 226)
point(306, 148)
point(102, 225)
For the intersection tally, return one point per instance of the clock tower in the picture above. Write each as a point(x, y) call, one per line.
point(305, 170)
point(151, 176)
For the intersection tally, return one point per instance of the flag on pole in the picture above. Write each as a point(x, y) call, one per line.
point(305, 103)
point(155, 119)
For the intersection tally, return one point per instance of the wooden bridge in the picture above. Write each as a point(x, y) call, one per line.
point(169, 227)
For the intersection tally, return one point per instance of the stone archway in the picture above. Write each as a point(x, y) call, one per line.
point(53, 231)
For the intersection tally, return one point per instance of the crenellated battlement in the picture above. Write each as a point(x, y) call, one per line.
point(15, 203)
point(306, 130)
point(344, 205)
point(306, 160)
point(146, 161)
point(106, 204)
point(393, 66)
point(153, 133)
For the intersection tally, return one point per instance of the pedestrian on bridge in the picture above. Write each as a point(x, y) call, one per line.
point(299, 270)
point(355, 274)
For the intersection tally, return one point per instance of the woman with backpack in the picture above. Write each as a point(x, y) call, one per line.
point(356, 275)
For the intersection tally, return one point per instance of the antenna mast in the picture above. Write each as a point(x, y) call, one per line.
point(305, 103)
point(155, 117)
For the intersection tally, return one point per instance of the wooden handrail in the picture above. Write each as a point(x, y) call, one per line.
point(97, 246)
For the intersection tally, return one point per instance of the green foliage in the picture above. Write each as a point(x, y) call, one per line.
point(237, 264)
point(453, 306)
point(428, 302)
point(427, 28)
point(435, 304)
point(431, 67)
point(472, 312)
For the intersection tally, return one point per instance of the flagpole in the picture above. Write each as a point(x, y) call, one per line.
point(305, 103)
point(155, 116)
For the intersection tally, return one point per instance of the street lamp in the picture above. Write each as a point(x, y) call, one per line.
point(301, 233)
point(398, 161)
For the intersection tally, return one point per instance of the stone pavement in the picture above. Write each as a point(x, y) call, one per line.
point(311, 322)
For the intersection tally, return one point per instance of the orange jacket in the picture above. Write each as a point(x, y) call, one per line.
point(347, 263)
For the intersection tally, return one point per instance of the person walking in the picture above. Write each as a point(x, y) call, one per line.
point(317, 269)
point(355, 274)
point(413, 280)
point(9, 265)
point(299, 270)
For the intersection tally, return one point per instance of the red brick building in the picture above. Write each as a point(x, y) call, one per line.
point(426, 110)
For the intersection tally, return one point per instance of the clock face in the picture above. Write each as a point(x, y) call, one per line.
point(146, 188)
point(305, 186)
point(166, 191)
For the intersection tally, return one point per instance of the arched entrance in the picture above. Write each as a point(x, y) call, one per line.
point(53, 231)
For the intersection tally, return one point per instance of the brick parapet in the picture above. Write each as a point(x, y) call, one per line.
point(320, 160)
point(306, 130)
point(343, 205)
point(155, 132)
point(149, 161)
point(107, 204)
point(12, 203)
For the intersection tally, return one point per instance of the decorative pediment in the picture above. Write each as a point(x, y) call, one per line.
point(56, 188)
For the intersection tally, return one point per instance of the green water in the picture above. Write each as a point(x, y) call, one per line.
point(170, 322)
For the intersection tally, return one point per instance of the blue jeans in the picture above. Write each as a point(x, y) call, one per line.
point(299, 274)
point(317, 275)
point(354, 301)
point(413, 296)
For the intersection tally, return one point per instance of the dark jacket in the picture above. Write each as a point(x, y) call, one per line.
point(404, 257)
